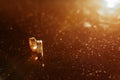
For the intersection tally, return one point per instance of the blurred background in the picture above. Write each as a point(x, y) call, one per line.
point(81, 39)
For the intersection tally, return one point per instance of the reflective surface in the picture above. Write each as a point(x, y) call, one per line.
point(81, 39)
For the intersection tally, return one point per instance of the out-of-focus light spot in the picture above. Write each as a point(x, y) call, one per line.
point(43, 65)
point(108, 8)
point(104, 26)
point(118, 48)
point(60, 39)
point(11, 28)
point(118, 17)
point(94, 26)
point(112, 3)
point(34, 47)
point(86, 11)
point(100, 12)
point(87, 24)
point(78, 11)
point(110, 77)
point(36, 58)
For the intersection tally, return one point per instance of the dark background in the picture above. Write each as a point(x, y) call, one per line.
point(71, 51)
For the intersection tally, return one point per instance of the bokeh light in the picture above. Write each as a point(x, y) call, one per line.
point(112, 3)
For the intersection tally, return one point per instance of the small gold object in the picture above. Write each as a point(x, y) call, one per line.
point(37, 47)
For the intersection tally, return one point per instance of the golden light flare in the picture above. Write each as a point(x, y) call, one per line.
point(87, 24)
point(104, 13)
point(112, 3)
point(109, 7)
